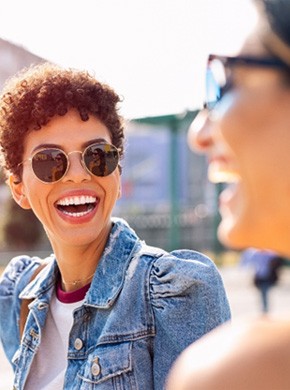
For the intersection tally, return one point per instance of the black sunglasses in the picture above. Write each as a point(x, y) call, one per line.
point(218, 74)
point(51, 164)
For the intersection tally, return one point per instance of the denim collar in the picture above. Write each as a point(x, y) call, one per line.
point(110, 273)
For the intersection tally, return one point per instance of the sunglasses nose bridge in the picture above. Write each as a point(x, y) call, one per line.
point(81, 161)
point(74, 151)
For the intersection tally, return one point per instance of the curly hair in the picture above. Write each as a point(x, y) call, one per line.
point(32, 97)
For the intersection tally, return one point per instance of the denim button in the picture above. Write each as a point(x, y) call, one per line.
point(78, 344)
point(96, 369)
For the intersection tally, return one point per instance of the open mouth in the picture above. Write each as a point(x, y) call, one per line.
point(77, 206)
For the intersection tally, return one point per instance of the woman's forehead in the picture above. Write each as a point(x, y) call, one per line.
point(253, 45)
point(68, 130)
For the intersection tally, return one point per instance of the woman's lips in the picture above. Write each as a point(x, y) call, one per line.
point(77, 207)
point(228, 193)
point(220, 170)
point(83, 214)
point(230, 200)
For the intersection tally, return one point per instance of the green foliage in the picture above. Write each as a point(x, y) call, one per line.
point(21, 229)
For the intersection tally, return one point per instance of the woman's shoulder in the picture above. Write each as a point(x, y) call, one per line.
point(18, 273)
point(179, 269)
point(186, 284)
point(186, 263)
point(249, 354)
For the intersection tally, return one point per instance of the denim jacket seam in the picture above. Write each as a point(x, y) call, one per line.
point(110, 301)
point(128, 337)
point(152, 258)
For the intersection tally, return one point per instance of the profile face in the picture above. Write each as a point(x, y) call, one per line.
point(247, 139)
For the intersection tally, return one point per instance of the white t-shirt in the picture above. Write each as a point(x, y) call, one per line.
point(49, 364)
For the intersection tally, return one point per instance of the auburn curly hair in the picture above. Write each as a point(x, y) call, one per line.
point(32, 97)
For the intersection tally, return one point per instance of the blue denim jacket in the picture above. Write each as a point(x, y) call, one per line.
point(144, 306)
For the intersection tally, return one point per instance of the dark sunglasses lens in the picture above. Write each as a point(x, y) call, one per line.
point(49, 165)
point(215, 82)
point(101, 159)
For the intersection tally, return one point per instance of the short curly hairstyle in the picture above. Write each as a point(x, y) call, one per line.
point(31, 98)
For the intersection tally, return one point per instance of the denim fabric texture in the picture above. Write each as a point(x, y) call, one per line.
point(144, 306)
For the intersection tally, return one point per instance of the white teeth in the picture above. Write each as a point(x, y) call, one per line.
point(217, 173)
point(76, 215)
point(223, 177)
point(76, 200)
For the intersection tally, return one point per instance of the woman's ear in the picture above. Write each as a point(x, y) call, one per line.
point(17, 191)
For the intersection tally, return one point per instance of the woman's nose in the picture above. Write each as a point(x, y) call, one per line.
point(76, 171)
point(199, 133)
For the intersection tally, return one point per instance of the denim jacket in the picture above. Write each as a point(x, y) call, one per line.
point(144, 306)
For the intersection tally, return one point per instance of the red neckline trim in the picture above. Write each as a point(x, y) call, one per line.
point(71, 296)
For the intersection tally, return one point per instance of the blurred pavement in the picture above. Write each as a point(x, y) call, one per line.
point(243, 296)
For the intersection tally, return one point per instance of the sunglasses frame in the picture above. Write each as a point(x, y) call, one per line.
point(30, 159)
point(227, 62)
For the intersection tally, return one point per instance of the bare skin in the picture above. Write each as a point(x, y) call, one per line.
point(237, 357)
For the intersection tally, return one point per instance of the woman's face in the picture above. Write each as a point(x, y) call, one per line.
point(57, 205)
point(247, 141)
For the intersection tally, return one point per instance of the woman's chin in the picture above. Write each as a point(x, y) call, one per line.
point(232, 235)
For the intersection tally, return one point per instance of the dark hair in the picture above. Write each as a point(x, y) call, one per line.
point(35, 95)
point(277, 13)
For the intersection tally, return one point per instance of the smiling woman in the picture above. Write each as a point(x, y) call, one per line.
point(104, 310)
point(244, 131)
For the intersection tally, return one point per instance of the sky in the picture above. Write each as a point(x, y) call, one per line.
point(152, 52)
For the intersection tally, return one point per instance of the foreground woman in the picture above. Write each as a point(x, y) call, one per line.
point(245, 131)
point(106, 311)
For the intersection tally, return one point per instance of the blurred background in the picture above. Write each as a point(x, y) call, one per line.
point(153, 52)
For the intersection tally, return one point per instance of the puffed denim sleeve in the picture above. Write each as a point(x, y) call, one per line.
point(15, 277)
point(188, 300)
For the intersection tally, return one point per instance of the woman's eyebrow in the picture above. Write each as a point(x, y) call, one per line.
point(56, 146)
point(93, 141)
point(45, 146)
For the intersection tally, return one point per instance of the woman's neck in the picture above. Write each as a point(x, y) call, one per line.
point(77, 264)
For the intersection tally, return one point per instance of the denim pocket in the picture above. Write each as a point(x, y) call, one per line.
point(108, 367)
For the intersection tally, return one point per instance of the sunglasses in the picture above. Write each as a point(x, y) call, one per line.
point(51, 164)
point(219, 74)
